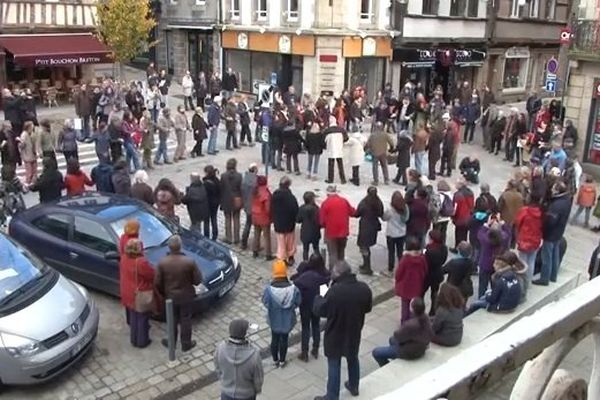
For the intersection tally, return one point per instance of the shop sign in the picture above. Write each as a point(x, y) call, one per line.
point(285, 44)
point(597, 88)
point(52, 61)
point(369, 47)
point(328, 58)
point(242, 40)
point(517, 52)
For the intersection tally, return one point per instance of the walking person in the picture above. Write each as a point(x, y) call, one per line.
point(176, 276)
point(136, 275)
point(334, 216)
point(164, 126)
point(28, 147)
point(310, 229)
point(196, 200)
point(309, 278)
point(284, 212)
point(182, 126)
point(199, 128)
point(335, 137)
point(378, 144)
point(261, 217)
point(213, 121)
point(238, 364)
point(67, 141)
point(231, 201)
point(369, 211)
point(212, 185)
point(248, 190)
point(586, 198)
point(281, 298)
point(344, 305)
point(395, 231)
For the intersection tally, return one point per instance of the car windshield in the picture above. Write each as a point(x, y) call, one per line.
point(18, 267)
point(153, 231)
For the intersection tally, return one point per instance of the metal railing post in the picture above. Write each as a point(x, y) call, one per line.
point(170, 328)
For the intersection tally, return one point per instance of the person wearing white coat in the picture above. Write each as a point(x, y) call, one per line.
point(187, 85)
point(355, 154)
point(335, 137)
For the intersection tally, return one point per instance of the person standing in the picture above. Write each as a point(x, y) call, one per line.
point(153, 102)
point(378, 144)
point(47, 140)
point(244, 114)
point(67, 140)
point(213, 121)
point(238, 364)
point(395, 230)
point(215, 86)
point(261, 217)
point(11, 105)
point(334, 216)
point(83, 109)
point(102, 174)
point(166, 196)
point(315, 144)
point(248, 189)
point(28, 147)
point(199, 131)
point(292, 146)
point(212, 185)
point(164, 126)
point(494, 239)
point(164, 83)
point(230, 83)
point(369, 212)
point(182, 126)
point(201, 89)
point(410, 276)
point(509, 204)
point(586, 198)
point(176, 276)
point(533, 106)
point(472, 114)
point(147, 128)
point(129, 128)
point(464, 202)
point(436, 253)
point(434, 151)
point(140, 189)
point(135, 101)
point(187, 86)
point(50, 182)
point(335, 137)
point(355, 154)
point(310, 229)
point(528, 229)
point(230, 115)
point(284, 211)
point(231, 201)
point(419, 148)
point(344, 305)
point(555, 219)
point(76, 180)
point(196, 200)
point(135, 275)
point(281, 298)
point(120, 178)
point(403, 149)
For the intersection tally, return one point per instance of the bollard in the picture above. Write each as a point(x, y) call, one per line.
point(170, 328)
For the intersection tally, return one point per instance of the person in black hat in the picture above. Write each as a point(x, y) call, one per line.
point(238, 364)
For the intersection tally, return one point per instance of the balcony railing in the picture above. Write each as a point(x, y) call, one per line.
point(586, 39)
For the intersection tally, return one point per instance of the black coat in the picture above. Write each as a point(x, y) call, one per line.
point(292, 140)
point(102, 177)
point(121, 181)
point(310, 228)
point(308, 281)
point(284, 210)
point(344, 306)
point(9, 151)
point(28, 110)
point(436, 257)
point(196, 200)
point(12, 111)
point(231, 187)
point(198, 127)
point(403, 148)
point(213, 191)
point(315, 143)
point(369, 211)
point(50, 184)
point(556, 217)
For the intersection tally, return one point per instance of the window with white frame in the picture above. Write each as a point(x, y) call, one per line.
point(534, 8)
point(234, 9)
point(292, 10)
point(516, 9)
point(550, 9)
point(516, 67)
point(261, 10)
point(430, 7)
point(366, 10)
point(457, 8)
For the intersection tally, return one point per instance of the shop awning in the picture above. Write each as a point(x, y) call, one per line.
point(47, 50)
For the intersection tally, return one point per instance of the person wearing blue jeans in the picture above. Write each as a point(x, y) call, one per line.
point(420, 162)
point(164, 126)
point(132, 156)
point(213, 120)
point(550, 261)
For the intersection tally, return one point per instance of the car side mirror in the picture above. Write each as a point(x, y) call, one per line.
point(112, 255)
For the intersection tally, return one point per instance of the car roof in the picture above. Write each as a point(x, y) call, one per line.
point(104, 206)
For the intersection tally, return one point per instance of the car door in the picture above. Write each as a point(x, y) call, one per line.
point(50, 242)
point(90, 241)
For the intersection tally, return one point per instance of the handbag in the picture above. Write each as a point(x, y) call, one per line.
point(143, 299)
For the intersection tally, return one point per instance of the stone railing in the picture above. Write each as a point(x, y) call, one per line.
point(539, 342)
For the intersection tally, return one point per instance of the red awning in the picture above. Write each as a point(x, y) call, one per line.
point(55, 49)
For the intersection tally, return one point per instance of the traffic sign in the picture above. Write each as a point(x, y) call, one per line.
point(550, 86)
point(552, 65)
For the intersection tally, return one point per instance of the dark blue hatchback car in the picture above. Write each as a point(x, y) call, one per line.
point(78, 236)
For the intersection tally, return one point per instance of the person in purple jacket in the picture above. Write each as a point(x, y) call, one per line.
point(494, 238)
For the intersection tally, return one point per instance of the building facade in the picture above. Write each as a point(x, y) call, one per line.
point(187, 38)
point(583, 95)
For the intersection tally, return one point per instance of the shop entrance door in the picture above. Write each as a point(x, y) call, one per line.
point(199, 50)
point(284, 78)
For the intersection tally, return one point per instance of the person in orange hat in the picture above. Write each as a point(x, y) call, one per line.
point(281, 298)
point(131, 230)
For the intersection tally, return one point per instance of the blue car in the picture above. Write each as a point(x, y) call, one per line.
point(78, 236)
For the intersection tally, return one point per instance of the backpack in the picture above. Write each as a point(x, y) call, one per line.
point(447, 208)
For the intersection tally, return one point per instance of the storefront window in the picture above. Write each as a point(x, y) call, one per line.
point(368, 72)
point(258, 66)
point(515, 73)
point(593, 153)
point(240, 62)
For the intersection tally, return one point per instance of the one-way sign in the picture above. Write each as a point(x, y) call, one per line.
point(550, 86)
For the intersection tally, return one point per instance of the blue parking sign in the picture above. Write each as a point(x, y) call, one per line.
point(550, 85)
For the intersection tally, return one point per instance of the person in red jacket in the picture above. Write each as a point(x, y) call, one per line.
point(464, 202)
point(131, 230)
point(528, 228)
point(586, 198)
point(410, 276)
point(135, 274)
point(76, 180)
point(334, 216)
point(261, 217)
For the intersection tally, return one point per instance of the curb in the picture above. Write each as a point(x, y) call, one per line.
point(211, 378)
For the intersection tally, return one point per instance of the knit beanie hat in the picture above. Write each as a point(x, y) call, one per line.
point(238, 328)
point(279, 269)
point(132, 227)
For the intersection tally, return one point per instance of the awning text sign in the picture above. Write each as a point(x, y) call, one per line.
point(71, 60)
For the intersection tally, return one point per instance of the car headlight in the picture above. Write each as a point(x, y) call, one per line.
point(82, 290)
point(200, 289)
point(234, 259)
point(19, 346)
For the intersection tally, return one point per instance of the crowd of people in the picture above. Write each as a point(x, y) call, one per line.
point(505, 240)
